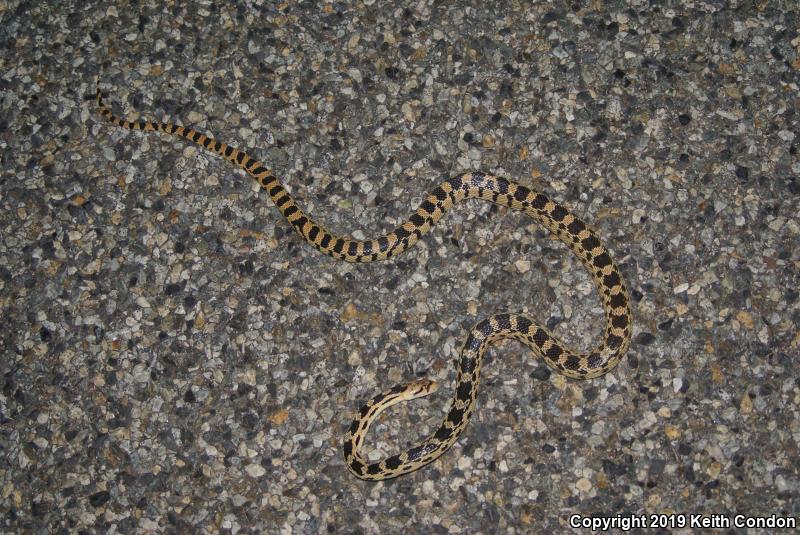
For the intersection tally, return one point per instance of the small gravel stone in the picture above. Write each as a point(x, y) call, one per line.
point(255, 470)
point(541, 373)
point(583, 485)
point(99, 498)
point(645, 338)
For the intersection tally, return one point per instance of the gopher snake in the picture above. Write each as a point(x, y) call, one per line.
point(475, 185)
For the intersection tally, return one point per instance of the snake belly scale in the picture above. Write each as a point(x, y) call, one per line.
point(473, 185)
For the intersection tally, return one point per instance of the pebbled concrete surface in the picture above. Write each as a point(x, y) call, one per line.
point(175, 359)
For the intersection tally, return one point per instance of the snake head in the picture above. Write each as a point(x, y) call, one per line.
point(420, 388)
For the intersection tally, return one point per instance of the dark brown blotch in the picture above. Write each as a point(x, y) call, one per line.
point(523, 324)
point(602, 260)
point(455, 415)
point(554, 352)
point(540, 337)
point(539, 201)
point(590, 243)
point(464, 391)
point(612, 279)
point(502, 185)
point(613, 341)
point(576, 227)
point(401, 233)
point(485, 328)
point(467, 365)
point(443, 433)
point(383, 243)
point(440, 194)
point(393, 462)
point(619, 300)
point(357, 466)
point(364, 410)
point(503, 321)
point(572, 362)
point(558, 213)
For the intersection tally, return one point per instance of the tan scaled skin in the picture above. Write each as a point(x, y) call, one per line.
point(474, 185)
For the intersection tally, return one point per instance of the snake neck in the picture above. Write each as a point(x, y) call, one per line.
point(427, 451)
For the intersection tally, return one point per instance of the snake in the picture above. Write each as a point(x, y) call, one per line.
point(559, 221)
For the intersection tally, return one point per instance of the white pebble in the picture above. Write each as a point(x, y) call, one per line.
point(681, 288)
point(255, 470)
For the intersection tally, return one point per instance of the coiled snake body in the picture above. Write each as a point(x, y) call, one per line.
point(474, 185)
